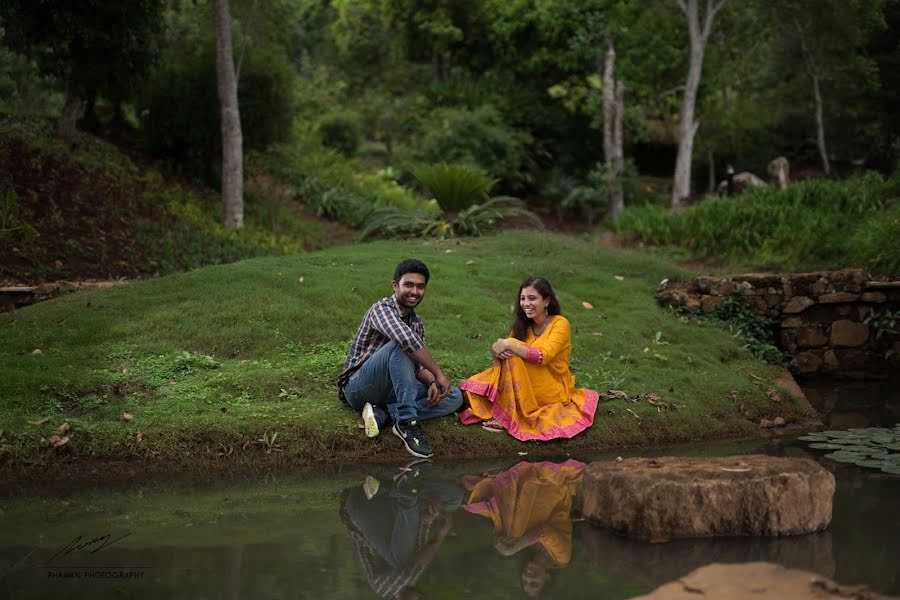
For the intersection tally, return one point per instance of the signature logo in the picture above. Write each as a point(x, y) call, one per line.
point(91, 546)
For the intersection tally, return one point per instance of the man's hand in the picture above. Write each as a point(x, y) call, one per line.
point(434, 394)
point(443, 385)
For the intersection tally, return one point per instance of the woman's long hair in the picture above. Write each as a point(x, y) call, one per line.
point(520, 321)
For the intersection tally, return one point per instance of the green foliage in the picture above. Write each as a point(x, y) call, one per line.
point(884, 322)
point(11, 224)
point(870, 447)
point(488, 216)
point(182, 107)
point(755, 331)
point(334, 202)
point(812, 224)
point(477, 137)
point(455, 187)
point(341, 131)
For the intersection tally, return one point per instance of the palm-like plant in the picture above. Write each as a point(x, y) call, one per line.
point(455, 187)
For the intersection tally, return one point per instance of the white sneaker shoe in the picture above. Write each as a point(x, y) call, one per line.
point(369, 420)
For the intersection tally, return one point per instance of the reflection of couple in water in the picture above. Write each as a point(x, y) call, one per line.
point(390, 376)
point(397, 530)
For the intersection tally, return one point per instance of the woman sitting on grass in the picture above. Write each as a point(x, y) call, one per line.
point(529, 391)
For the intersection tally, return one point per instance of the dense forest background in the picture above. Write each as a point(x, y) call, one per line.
point(407, 117)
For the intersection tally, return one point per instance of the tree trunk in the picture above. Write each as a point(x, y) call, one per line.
point(687, 127)
point(820, 126)
point(613, 109)
point(232, 137)
point(66, 126)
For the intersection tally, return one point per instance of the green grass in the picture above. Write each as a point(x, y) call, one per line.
point(213, 363)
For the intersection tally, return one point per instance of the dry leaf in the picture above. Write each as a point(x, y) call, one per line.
point(58, 441)
point(598, 333)
point(633, 413)
point(127, 417)
point(40, 421)
point(125, 371)
point(619, 459)
point(36, 352)
point(470, 262)
point(360, 425)
point(63, 429)
point(138, 438)
point(773, 395)
point(301, 279)
point(618, 278)
point(587, 305)
point(172, 382)
point(448, 251)
point(522, 453)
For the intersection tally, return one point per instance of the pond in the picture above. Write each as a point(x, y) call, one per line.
point(422, 530)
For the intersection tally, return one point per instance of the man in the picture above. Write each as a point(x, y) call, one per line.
point(389, 373)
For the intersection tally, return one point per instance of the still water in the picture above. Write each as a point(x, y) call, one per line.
point(437, 531)
point(432, 530)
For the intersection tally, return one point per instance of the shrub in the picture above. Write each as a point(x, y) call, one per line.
point(476, 137)
point(455, 187)
point(341, 131)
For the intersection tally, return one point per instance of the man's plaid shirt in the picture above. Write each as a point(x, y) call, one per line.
point(383, 323)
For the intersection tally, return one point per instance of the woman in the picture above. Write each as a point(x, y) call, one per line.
point(529, 390)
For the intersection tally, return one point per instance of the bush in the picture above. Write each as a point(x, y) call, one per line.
point(455, 187)
point(341, 131)
point(182, 108)
point(477, 137)
point(812, 224)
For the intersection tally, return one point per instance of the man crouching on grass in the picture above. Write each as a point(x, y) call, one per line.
point(389, 374)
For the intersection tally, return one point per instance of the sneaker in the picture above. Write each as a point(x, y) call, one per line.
point(410, 432)
point(370, 487)
point(370, 420)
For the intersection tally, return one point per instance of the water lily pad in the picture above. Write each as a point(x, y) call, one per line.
point(893, 470)
point(827, 446)
point(814, 438)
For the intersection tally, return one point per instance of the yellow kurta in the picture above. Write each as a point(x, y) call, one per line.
point(533, 399)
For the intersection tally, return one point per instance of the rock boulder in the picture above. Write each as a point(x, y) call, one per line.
point(675, 497)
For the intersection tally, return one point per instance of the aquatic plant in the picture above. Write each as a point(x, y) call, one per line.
point(871, 447)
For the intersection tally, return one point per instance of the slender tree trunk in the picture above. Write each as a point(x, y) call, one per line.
point(687, 127)
point(232, 137)
point(613, 109)
point(820, 125)
point(66, 126)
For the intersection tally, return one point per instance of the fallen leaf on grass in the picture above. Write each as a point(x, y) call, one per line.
point(139, 438)
point(63, 429)
point(470, 262)
point(40, 421)
point(172, 382)
point(634, 413)
point(522, 453)
point(598, 333)
point(36, 352)
point(618, 278)
point(58, 441)
point(405, 470)
point(360, 425)
point(125, 371)
point(773, 395)
point(301, 279)
point(127, 417)
point(587, 305)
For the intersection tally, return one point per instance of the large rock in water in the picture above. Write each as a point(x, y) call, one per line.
point(751, 581)
point(673, 497)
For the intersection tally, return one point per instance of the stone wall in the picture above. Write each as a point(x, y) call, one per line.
point(820, 316)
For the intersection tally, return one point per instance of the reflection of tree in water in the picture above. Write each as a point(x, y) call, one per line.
point(397, 529)
point(530, 506)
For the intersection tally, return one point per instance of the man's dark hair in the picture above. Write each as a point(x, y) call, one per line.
point(411, 265)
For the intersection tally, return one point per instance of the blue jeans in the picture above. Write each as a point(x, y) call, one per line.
point(388, 379)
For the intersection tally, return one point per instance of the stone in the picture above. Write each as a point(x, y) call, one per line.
point(831, 360)
point(755, 580)
point(863, 311)
point(875, 297)
point(849, 333)
point(707, 303)
point(822, 286)
point(773, 299)
point(779, 171)
point(838, 297)
point(788, 340)
point(676, 497)
point(798, 304)
point(810, 337)
point(843, 310)
point(778, 422)
point(805, 363)
point(792, 323)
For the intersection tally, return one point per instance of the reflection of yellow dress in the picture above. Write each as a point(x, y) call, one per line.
point(530, 500)
point(533, 398)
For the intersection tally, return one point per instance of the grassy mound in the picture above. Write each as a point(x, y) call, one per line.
point(236, 364)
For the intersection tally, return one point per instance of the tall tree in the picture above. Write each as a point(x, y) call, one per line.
point(699, 28)
point(613, 113)
point(232, 137)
